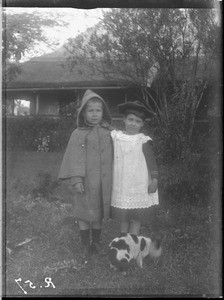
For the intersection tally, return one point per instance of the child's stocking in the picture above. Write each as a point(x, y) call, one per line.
point(85, 239)
point(96, 248)
point(96, 235)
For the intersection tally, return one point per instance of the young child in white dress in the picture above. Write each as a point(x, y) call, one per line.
point(135, 172)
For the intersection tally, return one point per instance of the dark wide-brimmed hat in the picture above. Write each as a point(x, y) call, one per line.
point(135, 106)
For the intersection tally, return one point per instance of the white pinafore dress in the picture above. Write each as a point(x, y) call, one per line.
point(130, 173)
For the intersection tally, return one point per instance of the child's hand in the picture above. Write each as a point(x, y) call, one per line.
point(79, 187)
point(153, 186)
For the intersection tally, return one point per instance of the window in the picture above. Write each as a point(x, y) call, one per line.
point(18, 107)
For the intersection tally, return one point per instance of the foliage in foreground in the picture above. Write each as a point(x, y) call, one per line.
point(43, 242)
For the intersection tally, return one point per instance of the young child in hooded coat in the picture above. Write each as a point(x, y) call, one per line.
point(87, 163)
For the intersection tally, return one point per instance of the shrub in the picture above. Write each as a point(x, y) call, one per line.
point(38, 133)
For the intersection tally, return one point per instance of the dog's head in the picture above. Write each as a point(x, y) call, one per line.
point(129, 248)
point(119, 253)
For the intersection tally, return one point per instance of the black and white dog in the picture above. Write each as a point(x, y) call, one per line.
point(124, 250)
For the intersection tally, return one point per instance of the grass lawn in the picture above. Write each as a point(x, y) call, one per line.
point(43, 251)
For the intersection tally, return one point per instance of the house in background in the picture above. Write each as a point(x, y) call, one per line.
point(45, 86)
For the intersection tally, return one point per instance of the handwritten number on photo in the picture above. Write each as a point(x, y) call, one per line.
point(48, 281)
point(32, 286)
point(19, 279)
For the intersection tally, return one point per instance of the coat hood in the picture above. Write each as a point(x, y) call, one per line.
point(87, 96)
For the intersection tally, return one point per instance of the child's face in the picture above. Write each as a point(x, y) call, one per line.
point(94, 112)
point(133, 124)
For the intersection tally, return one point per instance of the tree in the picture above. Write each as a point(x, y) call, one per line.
point(170, 48)
point(22, 32)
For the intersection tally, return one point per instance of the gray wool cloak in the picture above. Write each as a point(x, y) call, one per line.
point(88, 159)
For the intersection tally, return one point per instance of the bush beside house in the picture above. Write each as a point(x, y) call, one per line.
point(37, 133)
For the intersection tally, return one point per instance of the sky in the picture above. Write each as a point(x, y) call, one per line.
point(78, 21)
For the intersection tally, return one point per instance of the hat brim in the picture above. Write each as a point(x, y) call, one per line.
point(134, 107)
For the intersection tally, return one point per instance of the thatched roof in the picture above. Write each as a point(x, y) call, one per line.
point(52, 71)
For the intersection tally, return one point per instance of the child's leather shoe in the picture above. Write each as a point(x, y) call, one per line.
point(96, 248)
point(86, 251)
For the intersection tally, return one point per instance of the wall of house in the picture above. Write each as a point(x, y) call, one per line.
point(51, 102)
point(48, 103)
point(40, 102)
point(33, 107)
